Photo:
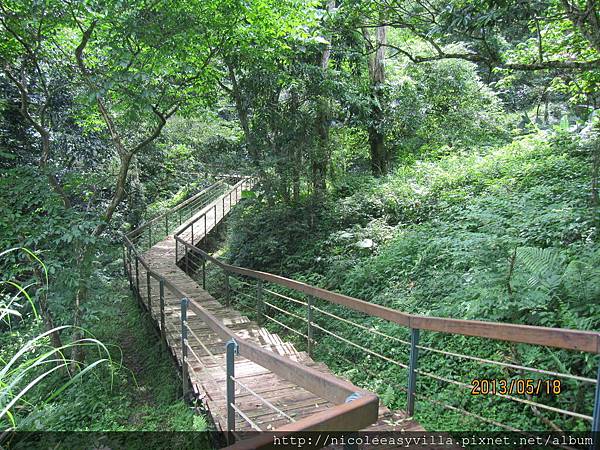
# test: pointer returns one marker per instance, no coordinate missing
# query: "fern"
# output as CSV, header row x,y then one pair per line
x,y
544,265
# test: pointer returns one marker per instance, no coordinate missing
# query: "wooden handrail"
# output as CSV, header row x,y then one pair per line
x,y
354,415
585,341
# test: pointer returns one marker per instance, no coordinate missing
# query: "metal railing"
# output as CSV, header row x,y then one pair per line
x,y
352,408
197,228
315,315
159,227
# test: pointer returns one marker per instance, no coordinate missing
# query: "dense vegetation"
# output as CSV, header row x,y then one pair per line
x,y
436,157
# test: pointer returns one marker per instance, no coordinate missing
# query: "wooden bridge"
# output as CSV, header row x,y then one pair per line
x,y
250,378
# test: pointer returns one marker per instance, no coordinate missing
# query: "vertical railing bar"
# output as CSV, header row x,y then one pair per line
x,y
309,333
161,295
259,302
166,224
203,272
227,290
184,367
187,266
124,262
130,275
150,236
231,349
137,278
412,374
149,291
596,415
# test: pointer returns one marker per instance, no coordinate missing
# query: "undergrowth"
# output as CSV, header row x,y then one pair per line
x,y
504,234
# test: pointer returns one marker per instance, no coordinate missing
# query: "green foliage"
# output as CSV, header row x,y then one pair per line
x,y
503,234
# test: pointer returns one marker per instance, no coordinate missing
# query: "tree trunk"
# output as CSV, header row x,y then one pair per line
x,y
84,262
320,156
595,199
378,152
242,112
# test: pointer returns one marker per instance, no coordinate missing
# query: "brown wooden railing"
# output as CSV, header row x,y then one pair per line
x,y
354,408
263,300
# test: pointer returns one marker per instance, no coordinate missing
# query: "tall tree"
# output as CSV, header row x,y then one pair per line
x,y
380,156
132,67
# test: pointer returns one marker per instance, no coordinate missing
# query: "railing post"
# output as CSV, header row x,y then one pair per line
x,y
149,291
596,415
161,295
150,236
204,237
129,274
137,279
309,331
166,224
176,250
192,233
259,302
353,434
124,262
227,290
412,374
231,349
184,367
203,273
187,265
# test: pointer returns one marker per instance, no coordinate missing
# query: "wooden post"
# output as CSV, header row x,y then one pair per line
x,y
150,236
412,374
166,224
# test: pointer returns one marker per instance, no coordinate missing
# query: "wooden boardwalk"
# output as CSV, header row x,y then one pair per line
x,y
206,355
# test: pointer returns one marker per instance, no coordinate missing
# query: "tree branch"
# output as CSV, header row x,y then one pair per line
x,y
477,58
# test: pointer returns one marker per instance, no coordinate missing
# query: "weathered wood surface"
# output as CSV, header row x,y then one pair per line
x,y
207,371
